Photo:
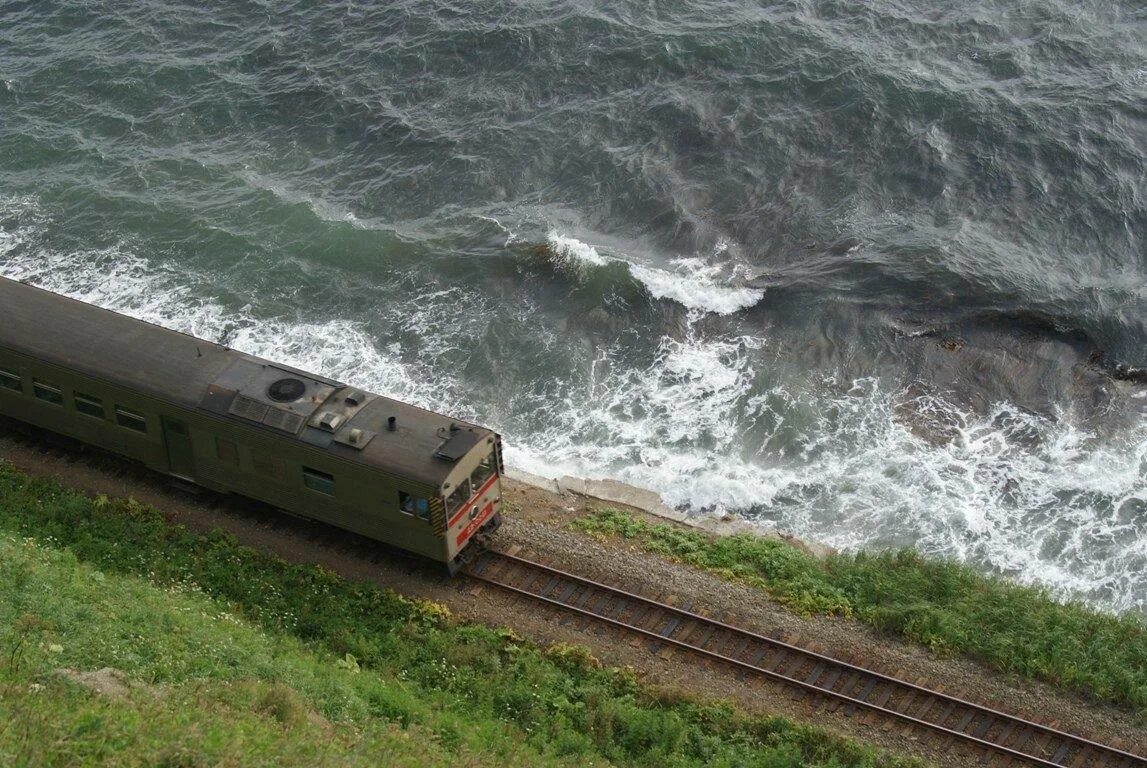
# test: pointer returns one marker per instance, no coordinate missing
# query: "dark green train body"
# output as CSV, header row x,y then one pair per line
x,y
232,422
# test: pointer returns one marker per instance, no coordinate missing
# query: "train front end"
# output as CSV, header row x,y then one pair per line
x,y
471,499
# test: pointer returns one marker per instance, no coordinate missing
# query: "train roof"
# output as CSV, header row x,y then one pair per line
x,y
200,375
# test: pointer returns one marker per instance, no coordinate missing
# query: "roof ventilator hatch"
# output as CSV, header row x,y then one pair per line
x,y
457,442
330,421
355,438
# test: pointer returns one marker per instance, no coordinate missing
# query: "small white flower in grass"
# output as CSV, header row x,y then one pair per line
x,y
35,688
55,648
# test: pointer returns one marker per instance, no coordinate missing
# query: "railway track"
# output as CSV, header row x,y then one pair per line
x,y
831,682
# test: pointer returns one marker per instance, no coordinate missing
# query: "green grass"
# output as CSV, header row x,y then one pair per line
x,y
946,606
203,686
237,657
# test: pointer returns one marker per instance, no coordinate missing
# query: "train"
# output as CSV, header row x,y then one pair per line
x,y
230,422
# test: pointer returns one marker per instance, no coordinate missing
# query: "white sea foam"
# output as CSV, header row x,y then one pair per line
x,y
693,283
570,251
1041,499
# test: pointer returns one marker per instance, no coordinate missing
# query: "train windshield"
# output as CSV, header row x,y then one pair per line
x,y
460,496
483,471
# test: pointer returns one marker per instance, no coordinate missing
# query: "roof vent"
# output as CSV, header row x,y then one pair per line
x,y
355,438
458,443
330,421
286,390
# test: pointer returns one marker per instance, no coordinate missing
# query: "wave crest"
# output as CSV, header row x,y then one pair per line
x,y
691,282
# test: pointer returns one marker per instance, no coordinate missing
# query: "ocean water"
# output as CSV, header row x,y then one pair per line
x,y
874,274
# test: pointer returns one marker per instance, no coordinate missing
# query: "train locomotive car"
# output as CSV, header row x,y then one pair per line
x,y
235,423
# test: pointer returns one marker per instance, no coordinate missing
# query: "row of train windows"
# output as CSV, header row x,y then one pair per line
x,y
85,404
408,504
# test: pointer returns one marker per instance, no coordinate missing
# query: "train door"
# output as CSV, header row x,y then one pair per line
x,y
180,456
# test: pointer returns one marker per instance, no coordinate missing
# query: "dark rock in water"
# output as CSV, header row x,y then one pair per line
x,y
598,320
1118,371
1127,373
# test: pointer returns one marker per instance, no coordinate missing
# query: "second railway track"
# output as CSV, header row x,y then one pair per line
x,y
1014,740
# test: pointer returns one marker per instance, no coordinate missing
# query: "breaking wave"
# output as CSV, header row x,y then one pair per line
x,y
693,283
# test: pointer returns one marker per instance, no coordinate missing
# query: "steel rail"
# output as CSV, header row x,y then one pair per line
x,y
1078,741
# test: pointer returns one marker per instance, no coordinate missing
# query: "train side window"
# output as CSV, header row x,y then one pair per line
x,y
413,505
47,392
10,380
405,503
130,419
227,451
92,406
460,496
319,481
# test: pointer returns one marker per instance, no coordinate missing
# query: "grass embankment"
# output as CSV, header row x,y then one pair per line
x,y
944,605
233,656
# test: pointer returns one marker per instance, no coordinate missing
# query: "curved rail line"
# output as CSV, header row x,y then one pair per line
x,y
1023,741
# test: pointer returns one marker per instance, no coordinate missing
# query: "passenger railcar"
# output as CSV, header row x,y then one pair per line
x,y
232,422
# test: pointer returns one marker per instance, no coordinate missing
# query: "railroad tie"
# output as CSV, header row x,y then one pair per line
x,y
1022,740
706,635
741,646
599,604
966,720
545,591
1005,733
784,662
833,676
817,671
566,593
851,680
984,726
863,695
946,712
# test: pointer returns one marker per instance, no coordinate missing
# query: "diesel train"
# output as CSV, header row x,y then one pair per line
x,y
235,423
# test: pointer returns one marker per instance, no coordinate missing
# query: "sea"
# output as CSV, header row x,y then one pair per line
x,y
870,273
